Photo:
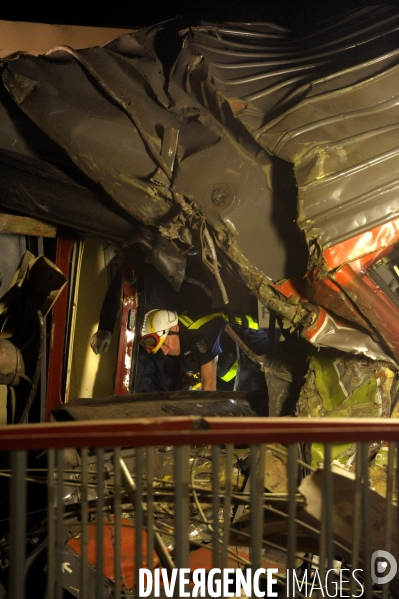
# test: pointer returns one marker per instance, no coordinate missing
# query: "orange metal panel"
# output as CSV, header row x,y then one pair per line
x,y
363,244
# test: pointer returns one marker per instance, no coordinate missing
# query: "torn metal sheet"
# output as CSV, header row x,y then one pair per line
x,y
35,287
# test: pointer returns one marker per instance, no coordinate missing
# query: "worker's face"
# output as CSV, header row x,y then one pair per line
x,y
171,345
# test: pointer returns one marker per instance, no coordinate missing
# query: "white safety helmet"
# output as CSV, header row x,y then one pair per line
x,y
156,326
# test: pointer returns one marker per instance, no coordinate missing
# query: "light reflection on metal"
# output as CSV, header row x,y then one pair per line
x,y
363,244
127,327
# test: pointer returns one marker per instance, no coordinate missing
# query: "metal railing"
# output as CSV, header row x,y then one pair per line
x,y
104,500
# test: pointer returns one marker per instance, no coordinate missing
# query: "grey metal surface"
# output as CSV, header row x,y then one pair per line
x,y
344,148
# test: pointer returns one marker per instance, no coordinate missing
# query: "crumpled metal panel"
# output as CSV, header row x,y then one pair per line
x,y
97,134
345,153
311,100
101,136
273,69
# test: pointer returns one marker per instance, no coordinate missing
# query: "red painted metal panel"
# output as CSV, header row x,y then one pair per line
x,y
58,327
195,430
128,549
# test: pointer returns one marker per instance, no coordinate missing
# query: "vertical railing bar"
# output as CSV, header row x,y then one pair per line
x,y
59,539
215,504
328,498
257,475
18,524
227,505
292,488
389,509
357,518
366,519
117,523
51,497
99,584
150,508
138,513
182,499
323,545
84,514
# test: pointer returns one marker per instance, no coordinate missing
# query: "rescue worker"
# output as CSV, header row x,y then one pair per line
x,y
163,370
206,352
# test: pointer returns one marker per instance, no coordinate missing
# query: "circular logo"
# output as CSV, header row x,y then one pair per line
x,y
380,560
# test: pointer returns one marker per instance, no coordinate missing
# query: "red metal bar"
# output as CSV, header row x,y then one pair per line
x,y
57,341
190,430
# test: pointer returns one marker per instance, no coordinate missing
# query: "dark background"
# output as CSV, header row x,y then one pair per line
x,y
133,13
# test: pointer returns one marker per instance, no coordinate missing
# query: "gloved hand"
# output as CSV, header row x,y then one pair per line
x,y
100,341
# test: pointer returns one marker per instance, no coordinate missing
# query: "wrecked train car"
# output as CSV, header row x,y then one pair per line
x,y
217,147
252,128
